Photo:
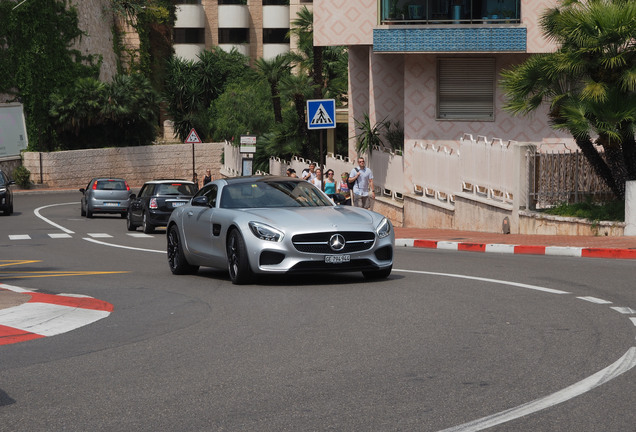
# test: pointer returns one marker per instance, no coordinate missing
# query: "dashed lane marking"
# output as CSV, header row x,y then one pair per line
x,y
19,237
60,235
100,235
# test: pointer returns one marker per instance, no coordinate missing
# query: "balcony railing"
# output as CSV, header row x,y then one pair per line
x,y
450,12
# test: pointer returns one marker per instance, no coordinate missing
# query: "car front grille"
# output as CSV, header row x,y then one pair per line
x,y
355,241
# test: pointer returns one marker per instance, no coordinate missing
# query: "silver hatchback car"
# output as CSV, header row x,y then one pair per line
x,y
105,195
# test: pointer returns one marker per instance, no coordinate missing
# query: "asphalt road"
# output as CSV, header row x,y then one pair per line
x,y
451,341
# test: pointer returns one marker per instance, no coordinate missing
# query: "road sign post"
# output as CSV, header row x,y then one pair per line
x,y
321,114
193,138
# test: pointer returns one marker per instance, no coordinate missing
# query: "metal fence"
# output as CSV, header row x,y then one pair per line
x,y
564,177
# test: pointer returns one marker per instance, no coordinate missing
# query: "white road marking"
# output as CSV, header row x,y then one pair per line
x,y
49,319
595,300
19,237
140,235
59,235
123,247
100,235
37,213
495,281
622,365
624,310
619,367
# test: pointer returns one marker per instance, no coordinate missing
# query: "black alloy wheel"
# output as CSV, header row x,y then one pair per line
x,y
237,260
176,258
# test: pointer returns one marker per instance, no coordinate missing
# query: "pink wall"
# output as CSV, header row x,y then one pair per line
x,y
344,22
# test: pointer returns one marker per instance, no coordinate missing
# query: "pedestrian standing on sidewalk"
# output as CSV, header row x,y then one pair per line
x,y
363,187
208,177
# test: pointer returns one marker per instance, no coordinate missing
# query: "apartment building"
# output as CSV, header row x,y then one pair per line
x,y
256,28
434,65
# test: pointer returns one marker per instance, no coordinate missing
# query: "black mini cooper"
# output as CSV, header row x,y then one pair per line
x,y
155,202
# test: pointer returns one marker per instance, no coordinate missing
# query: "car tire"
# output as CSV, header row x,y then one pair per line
x,y
147,227
124,215
377,274
11,208
176,258
129,223
89,214
82,211
237,261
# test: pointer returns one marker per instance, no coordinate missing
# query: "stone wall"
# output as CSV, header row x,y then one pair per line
x,y
74,169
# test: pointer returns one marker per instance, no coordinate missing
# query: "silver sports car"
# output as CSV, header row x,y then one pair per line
x,y
276,225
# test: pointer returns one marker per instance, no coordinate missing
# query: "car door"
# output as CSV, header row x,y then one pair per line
x,y
198,226
137,204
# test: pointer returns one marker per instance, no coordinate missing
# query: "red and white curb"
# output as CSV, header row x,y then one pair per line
x,y
48,315
585,252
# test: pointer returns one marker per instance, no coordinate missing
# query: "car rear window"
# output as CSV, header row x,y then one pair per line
x,y
111,185
175,189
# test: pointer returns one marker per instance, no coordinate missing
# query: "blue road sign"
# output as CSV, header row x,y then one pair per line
x,y
321,114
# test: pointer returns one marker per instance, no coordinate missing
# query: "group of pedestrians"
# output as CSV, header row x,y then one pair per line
x,y
355,187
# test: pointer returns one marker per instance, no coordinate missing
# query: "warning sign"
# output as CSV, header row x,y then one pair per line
x,y
193,138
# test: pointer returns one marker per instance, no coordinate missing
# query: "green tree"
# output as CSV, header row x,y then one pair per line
x,y
35,59
274,70
92,114
244,107
311,57
190,87
589,83
297,88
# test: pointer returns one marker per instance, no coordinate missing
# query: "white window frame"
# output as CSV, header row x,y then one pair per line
x,y
466,88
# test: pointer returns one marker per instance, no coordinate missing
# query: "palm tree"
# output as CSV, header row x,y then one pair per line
x,y
274,70
590,83
303,28
297,87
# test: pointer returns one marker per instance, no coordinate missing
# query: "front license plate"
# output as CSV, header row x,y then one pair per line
x,y
337,259
177,204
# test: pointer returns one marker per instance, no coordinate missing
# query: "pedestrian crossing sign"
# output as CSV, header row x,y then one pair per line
x,y
321,114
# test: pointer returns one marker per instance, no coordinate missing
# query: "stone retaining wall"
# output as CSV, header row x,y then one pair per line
x,y
74,169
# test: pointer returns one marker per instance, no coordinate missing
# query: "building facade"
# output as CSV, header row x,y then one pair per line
x,y
434,66
256,28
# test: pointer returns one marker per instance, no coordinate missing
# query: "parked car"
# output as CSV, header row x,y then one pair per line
x,y
276,225
156,201
105,195
6,195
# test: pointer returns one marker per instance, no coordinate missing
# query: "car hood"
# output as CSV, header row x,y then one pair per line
x,y
317,218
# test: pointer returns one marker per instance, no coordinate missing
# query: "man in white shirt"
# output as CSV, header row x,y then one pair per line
x,y
363,187
309,173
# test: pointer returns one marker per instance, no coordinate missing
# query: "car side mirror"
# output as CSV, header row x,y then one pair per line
x,y
133,196
11,182
200,201
82,190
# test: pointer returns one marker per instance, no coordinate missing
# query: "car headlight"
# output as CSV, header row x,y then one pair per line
x,y
3,189
266,232
384,228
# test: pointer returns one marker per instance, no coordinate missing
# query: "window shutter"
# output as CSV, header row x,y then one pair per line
x,y
466,89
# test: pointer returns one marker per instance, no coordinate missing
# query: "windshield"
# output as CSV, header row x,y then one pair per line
x,y
263,194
